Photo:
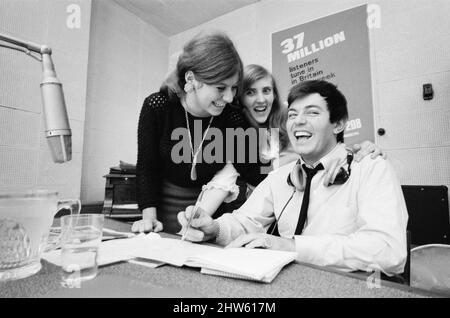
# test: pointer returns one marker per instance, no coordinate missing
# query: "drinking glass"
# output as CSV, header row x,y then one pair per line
x,y
80,240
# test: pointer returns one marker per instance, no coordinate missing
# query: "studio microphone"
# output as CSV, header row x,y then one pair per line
x,y
57,128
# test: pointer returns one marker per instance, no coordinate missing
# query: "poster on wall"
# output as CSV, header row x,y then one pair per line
x,y
336,49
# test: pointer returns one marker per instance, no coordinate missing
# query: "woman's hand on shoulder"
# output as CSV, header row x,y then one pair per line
x,y
367,148
360,150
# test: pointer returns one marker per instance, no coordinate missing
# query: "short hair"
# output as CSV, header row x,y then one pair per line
x,y
212,57
336,101
277,118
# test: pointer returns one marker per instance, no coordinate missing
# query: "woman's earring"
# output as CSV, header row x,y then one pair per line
x,y
198,85
188,87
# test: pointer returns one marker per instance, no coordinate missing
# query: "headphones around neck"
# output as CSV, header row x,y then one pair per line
x,y
297,178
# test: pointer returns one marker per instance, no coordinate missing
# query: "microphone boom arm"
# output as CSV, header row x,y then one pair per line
x,y
58,130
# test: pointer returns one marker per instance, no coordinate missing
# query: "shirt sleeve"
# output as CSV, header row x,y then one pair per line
x,y
225,179
254,216
148,166
380,241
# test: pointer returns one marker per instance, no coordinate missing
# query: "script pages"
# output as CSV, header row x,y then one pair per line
x,y
243,263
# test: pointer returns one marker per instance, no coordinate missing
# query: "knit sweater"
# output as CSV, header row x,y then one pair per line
x,y
159,161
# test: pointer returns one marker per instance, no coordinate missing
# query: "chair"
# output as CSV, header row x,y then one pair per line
x,y
428,212
430,268
428,222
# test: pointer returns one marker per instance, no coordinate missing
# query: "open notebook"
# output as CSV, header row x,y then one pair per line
x,y
243,263
253,264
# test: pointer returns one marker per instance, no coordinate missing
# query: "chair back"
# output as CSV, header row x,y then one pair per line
x,y
430,268
428,212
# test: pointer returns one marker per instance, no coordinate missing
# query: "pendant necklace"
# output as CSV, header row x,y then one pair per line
x,y
194,155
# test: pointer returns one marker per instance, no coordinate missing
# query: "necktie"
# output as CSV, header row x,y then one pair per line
x,y
273,229
310,173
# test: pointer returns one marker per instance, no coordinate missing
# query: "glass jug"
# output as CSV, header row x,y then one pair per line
x,y
25,221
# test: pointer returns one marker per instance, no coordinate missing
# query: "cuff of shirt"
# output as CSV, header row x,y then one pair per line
x,y
222,238
305,248
232,189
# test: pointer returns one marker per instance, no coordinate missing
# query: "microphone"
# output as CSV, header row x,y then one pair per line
x,y
58,133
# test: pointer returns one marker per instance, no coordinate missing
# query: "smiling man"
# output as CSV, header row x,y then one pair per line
x,y
357,223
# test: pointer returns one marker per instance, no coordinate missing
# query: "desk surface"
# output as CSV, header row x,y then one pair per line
x,y
130,280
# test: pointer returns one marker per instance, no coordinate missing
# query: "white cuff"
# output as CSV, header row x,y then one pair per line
x,y
232,189
222,238
304,246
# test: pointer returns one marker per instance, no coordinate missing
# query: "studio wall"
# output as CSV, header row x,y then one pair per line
x,y
25,159
127,61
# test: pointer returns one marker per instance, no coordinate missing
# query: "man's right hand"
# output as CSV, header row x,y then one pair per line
x,y
202,228
149,222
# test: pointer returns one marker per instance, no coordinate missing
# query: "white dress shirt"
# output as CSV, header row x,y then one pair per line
x,y
359,225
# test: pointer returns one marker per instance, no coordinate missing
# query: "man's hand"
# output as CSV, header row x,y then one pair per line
x,y
149,222
202,228
264,240
366,148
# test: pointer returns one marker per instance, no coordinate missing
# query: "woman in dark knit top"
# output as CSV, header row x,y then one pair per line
x,y
180,125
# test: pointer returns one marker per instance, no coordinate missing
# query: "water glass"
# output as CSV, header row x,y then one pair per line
x,y
80,240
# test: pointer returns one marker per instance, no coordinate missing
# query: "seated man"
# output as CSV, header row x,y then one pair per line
x,y
358,223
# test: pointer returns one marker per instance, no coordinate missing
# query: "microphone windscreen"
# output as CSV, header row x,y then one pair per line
x,y
60,147
56,121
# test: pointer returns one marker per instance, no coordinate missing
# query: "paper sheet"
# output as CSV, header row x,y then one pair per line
x,y
146,262
111,251
171,251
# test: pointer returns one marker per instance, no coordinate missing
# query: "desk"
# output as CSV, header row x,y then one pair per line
x,y
130,280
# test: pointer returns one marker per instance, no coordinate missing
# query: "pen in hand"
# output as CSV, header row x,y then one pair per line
x,y
193,213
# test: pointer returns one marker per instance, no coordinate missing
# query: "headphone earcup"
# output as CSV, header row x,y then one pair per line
x,y
295,178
